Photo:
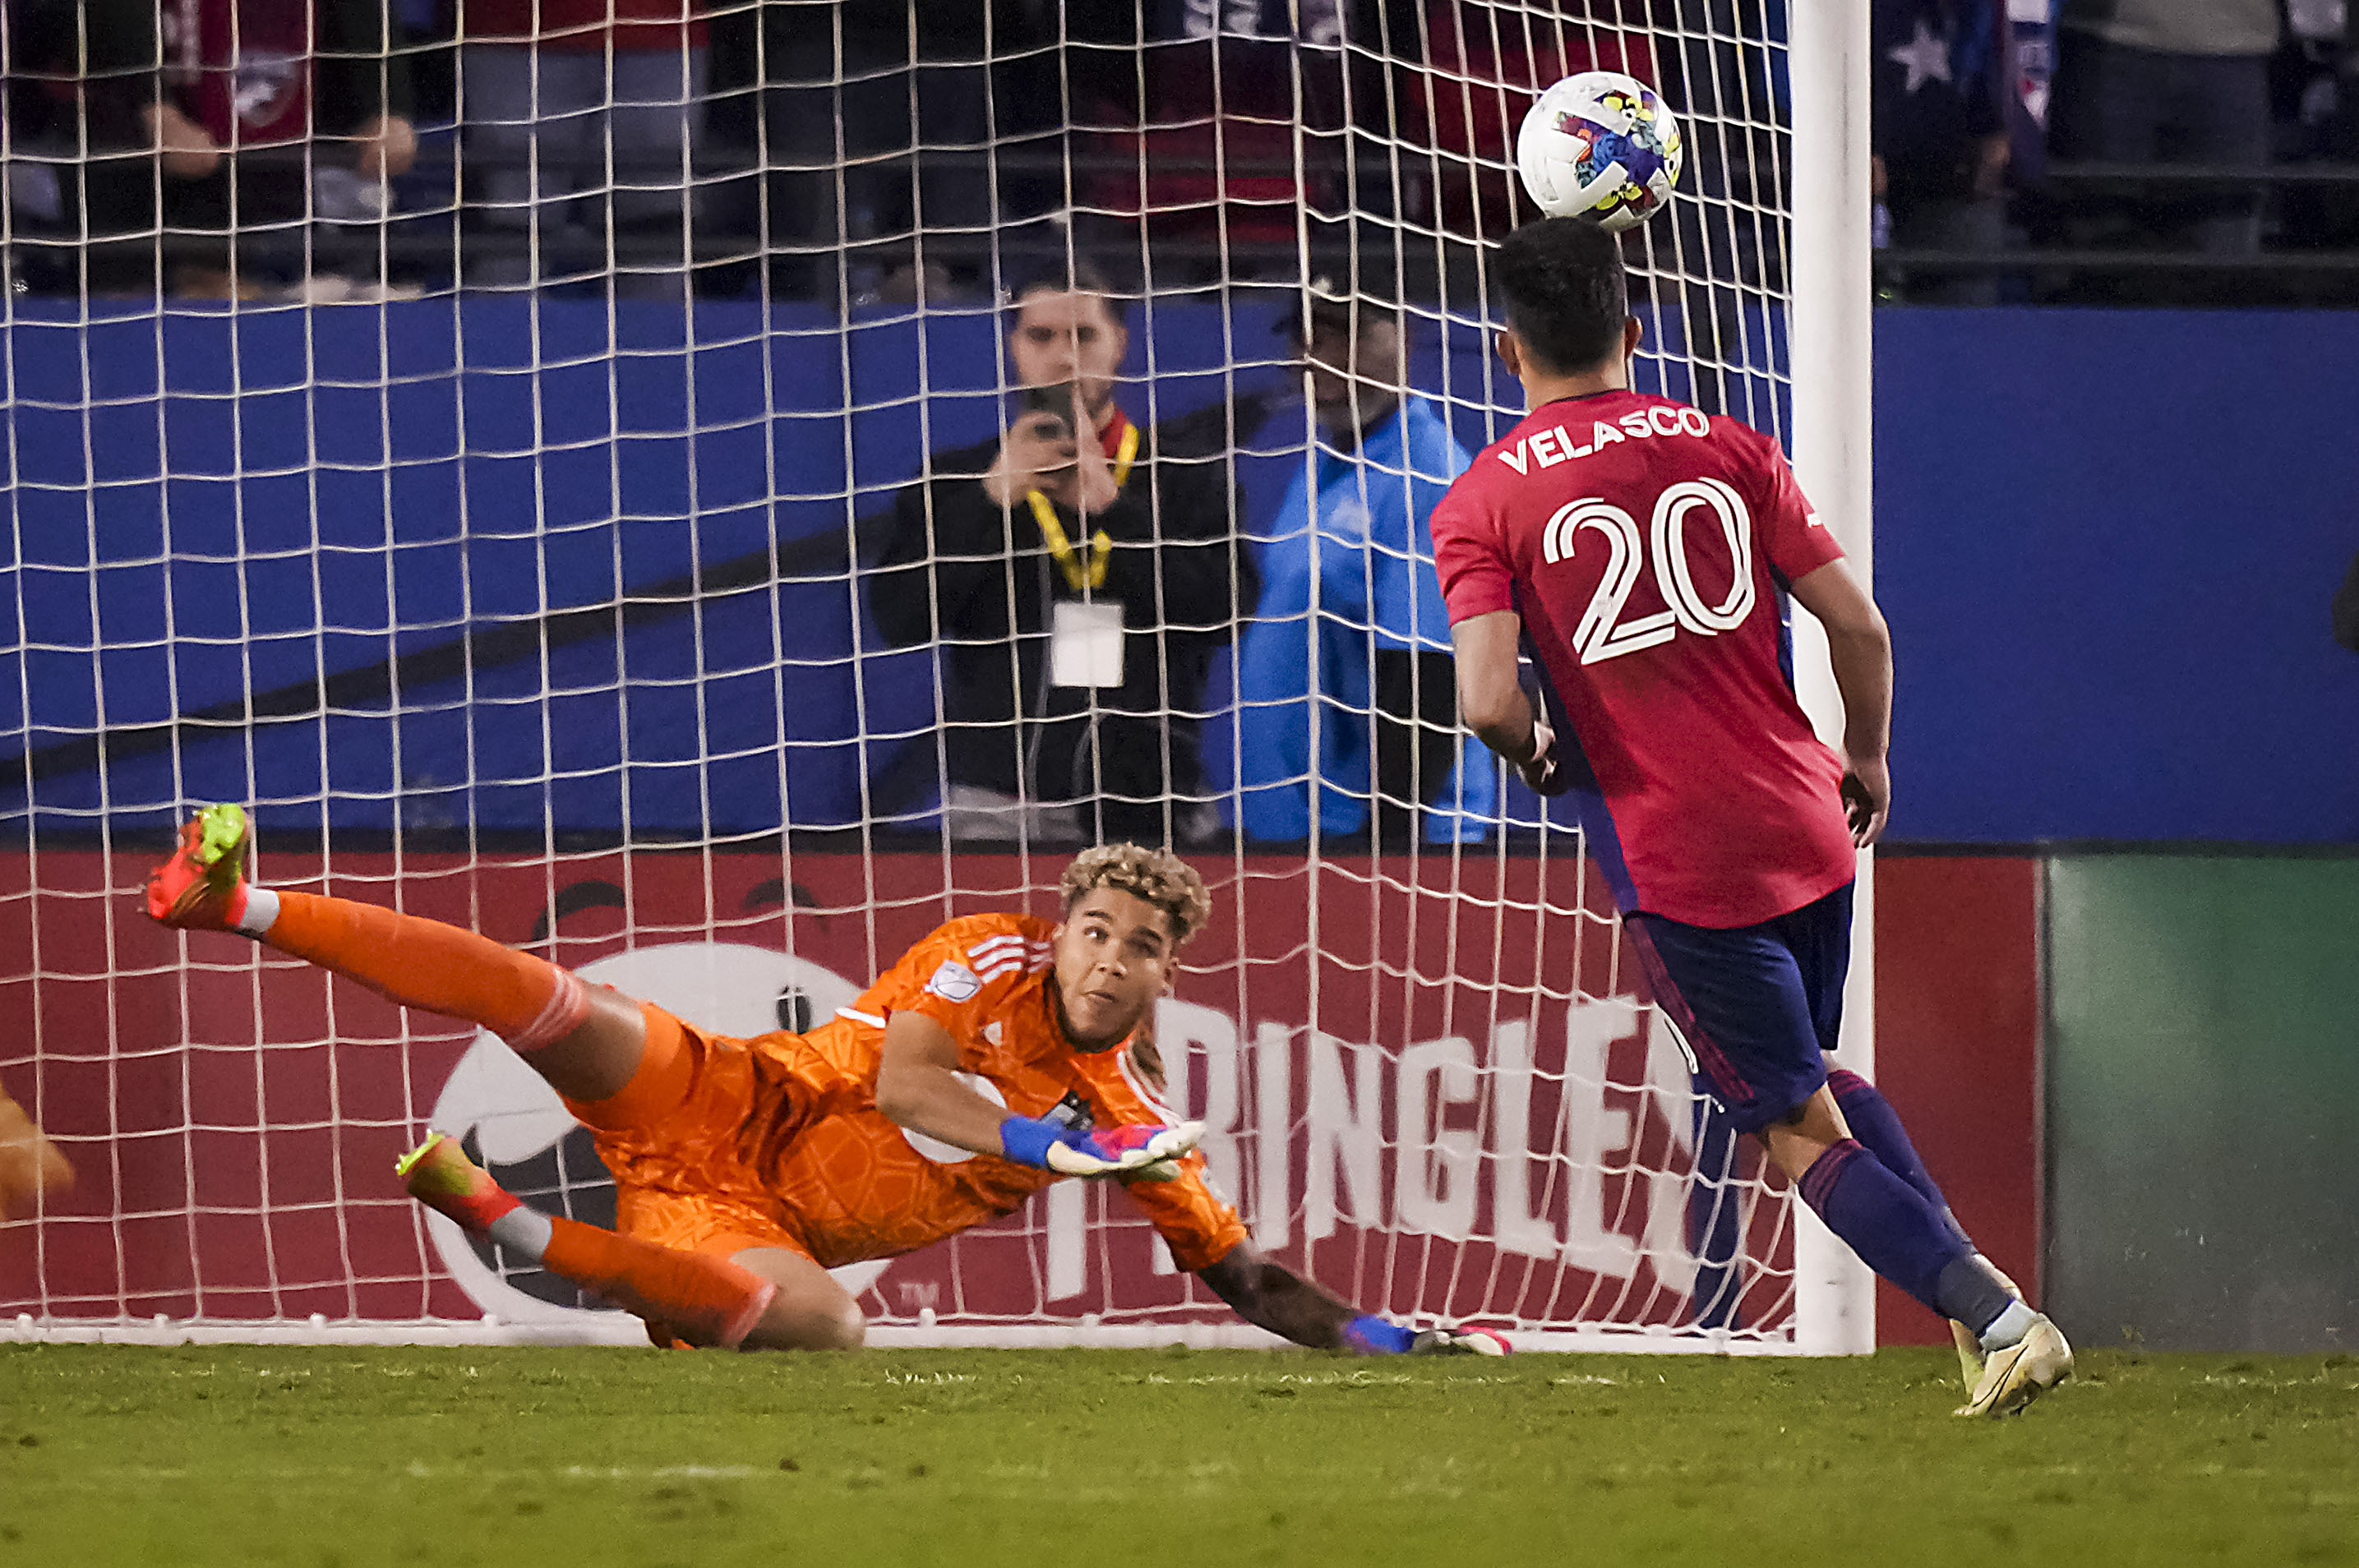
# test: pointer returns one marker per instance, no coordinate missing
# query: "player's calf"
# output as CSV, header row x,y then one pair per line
x,y
583,1042
1901,1235
810,1312
1878,1127
701,1300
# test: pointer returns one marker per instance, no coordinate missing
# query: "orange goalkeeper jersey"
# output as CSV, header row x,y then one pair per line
x,y
786,1127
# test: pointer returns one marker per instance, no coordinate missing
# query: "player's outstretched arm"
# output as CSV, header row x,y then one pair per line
x,y
1859,646
918,1087
1272,1296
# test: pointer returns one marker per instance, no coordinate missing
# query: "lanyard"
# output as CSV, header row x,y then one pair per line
x,y
1078,578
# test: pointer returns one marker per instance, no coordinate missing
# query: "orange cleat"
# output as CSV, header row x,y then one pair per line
x,y
31,1164
203,886
439,1175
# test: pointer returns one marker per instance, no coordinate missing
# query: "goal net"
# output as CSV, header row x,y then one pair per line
x,y
529,544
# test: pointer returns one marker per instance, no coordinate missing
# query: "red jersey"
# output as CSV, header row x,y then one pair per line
x,y
1647,547
586,25
243,68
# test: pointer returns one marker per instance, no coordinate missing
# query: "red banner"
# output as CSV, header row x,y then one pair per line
x,y
1432,1084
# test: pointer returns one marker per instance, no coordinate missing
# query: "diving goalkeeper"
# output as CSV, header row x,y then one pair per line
x,y
745,1169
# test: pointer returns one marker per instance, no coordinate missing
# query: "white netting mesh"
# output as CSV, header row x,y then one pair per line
x,y
569,586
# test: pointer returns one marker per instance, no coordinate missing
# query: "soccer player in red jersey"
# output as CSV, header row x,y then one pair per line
x,y
1643,551
745,1169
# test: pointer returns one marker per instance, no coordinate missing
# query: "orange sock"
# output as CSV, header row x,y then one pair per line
x,y
525,1000
702,1299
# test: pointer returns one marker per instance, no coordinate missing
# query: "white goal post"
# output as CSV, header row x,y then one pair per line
x,y
523,573
1834,454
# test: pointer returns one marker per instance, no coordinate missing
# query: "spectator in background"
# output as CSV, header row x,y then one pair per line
x,y
876,117
2161,81
1351,610
1940,87
253,120
583,120
93,139
1078,581
1187,114
2315,83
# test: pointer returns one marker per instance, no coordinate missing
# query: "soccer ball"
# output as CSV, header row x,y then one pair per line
x,y
1599,146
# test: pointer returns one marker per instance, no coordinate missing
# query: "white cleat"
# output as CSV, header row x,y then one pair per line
x,y
1969,1343
2013,1377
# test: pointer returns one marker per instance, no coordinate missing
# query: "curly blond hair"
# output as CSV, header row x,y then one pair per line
x,y
1156,876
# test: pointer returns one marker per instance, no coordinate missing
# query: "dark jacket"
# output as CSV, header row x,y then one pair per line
x,y
959,570
1940,85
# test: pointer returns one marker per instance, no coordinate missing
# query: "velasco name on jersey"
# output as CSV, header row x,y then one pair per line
x,y
1547,448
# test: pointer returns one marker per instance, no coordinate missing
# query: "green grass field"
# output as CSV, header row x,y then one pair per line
x,y
341,1456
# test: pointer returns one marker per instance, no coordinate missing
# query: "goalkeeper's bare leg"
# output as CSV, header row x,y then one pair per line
x,y
587,1041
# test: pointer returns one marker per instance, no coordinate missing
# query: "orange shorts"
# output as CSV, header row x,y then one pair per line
x,y
675,1138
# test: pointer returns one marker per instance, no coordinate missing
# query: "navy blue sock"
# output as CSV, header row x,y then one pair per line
x,y
1875,1124
1900,1236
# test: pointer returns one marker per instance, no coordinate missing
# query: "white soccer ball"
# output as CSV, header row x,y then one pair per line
x,y
1599,146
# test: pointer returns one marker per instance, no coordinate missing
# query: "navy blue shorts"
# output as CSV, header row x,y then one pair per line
x,y
1759,1006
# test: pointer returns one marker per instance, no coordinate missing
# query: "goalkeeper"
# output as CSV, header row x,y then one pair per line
x,y
746,1169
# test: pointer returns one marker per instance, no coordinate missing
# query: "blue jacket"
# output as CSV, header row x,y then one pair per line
x,y
1369,578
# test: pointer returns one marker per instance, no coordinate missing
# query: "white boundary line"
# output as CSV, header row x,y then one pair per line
x,y
893,1337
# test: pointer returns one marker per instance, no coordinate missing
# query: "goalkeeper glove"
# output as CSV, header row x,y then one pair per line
x,y
1371,1335
1131,1151
1453,1339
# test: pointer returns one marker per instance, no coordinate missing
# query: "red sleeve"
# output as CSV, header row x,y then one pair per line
x,y
1477,577
1793,539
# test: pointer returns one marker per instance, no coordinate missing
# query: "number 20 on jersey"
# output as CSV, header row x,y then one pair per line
x,y
1603,632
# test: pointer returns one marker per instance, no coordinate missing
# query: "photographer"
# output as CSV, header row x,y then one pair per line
x,y
1079,581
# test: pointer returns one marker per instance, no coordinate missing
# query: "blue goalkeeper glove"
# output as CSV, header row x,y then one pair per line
x,y
1133,1150
1371,1335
